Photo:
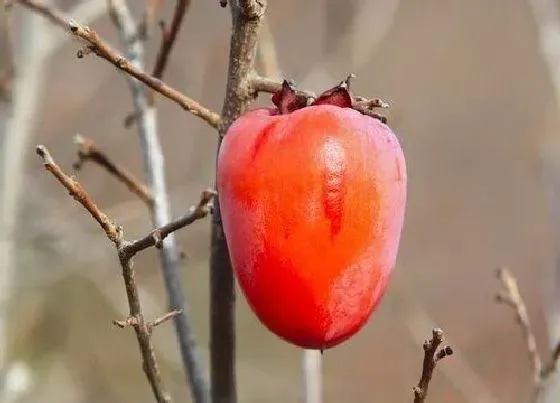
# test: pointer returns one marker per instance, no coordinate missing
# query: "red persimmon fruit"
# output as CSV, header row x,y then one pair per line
x,y
312,199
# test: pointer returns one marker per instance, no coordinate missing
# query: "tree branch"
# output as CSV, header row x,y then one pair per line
x,y
432,354
155,237
246,19
115,234
512,297
94,44
79,194
168,38
88,150
551,365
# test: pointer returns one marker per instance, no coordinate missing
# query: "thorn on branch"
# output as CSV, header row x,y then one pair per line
x,y
432,355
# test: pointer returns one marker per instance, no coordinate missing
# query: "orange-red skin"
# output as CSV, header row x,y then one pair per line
x,y
312,204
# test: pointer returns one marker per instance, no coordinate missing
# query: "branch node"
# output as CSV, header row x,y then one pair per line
x,y
129,321
158,240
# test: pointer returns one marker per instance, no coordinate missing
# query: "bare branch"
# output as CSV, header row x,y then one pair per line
x,y
114,233
550,366
156,236
101,49
264,84
169,37
246,18
89,151
432,354
94,44
132,321
164,318
512,297
79,194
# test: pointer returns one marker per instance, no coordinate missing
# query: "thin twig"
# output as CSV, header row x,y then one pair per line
x,y
432,354
94,44
164,318
512,297
168,39
101,49
156,236
264,84
89,151
549,367
246,19
80,195
115,234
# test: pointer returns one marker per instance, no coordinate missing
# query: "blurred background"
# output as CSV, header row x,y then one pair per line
x,y
472,88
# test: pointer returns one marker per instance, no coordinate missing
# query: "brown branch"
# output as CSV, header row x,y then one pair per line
x,y
550,366
89,151
164,318
168,39
126,250
80,195
114,233
132,320
246,19
432,354
156,236
512,297
94,44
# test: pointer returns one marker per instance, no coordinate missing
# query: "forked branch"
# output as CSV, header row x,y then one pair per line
x,y
432,355
88,150
511,296
94,44
126,250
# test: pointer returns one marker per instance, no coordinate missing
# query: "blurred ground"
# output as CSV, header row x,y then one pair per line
x,y
471,104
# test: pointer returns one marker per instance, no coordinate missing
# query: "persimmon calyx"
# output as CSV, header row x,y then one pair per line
x,y
287,99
